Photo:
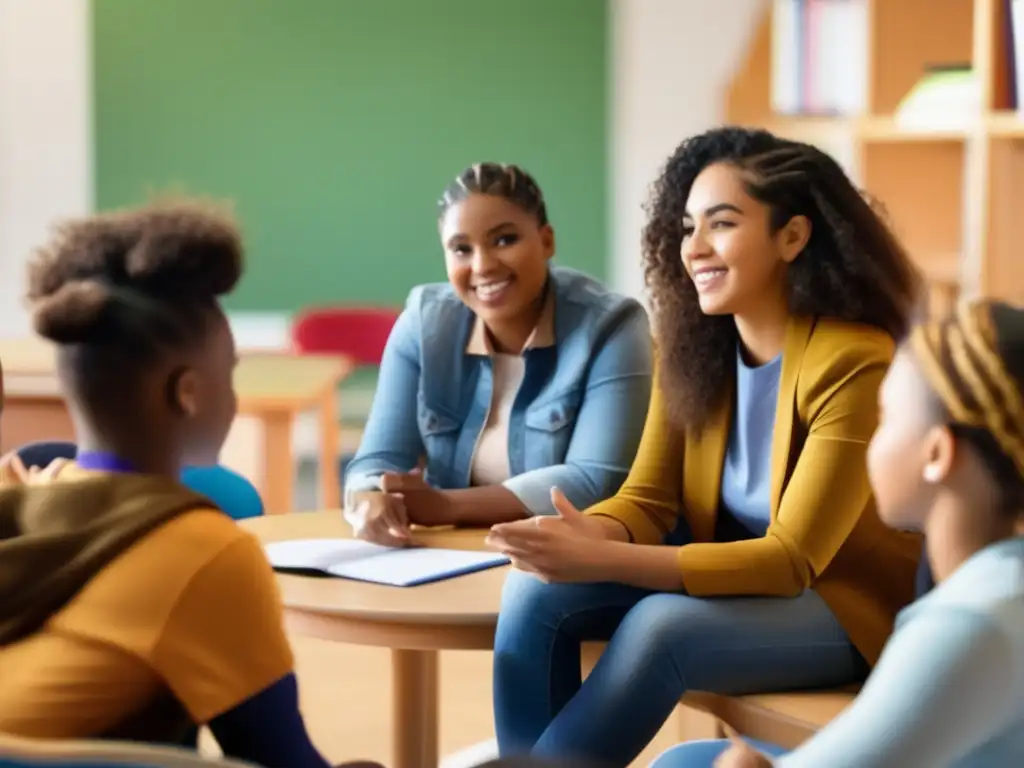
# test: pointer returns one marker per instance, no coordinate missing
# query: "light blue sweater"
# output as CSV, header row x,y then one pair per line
x,y
949,687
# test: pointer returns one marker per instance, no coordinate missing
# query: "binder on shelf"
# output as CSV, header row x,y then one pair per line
x,y
1014,10
819,55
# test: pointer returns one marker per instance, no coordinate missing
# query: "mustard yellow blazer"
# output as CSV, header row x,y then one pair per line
x,y
824,532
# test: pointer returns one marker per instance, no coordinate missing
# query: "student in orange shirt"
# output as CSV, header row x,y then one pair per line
x,y
129,607
777,294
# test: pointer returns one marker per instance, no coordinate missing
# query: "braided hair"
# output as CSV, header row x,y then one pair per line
x,y
506,181
973,363
853,268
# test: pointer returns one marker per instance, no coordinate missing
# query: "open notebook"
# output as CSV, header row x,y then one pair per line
x,y
362,561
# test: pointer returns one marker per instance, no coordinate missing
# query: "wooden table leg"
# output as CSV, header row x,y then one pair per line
x,y
330,480
278,481
414,684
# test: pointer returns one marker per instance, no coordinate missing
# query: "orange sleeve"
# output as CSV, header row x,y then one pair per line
x,y
224,640
650,501
826,494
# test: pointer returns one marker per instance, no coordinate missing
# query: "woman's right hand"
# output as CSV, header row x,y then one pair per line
x,y
379,518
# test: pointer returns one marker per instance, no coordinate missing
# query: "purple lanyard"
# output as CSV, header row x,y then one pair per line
x,y
102,462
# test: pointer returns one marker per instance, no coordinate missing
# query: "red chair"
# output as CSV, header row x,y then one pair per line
x,y
359,333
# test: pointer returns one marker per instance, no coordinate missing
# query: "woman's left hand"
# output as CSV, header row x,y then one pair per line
x,y
565,547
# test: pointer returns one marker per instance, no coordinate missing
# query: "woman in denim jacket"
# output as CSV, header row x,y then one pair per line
x,y
512,378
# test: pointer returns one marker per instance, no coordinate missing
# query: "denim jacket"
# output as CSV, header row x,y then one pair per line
x,y
576,420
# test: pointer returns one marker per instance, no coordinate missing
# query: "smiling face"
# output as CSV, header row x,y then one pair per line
x,y
729,249
497,256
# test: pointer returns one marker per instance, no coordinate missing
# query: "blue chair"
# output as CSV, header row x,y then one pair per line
x,y
224,487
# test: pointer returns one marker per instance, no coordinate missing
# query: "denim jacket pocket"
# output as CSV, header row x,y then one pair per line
x,y
549,428
440,433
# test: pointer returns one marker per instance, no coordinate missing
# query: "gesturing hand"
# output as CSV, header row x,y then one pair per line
x,y
562,547
424,504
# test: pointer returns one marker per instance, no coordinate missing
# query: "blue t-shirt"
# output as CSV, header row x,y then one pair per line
x,y
746,474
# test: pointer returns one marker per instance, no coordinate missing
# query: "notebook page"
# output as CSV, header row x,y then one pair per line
x,y
319,554
409,567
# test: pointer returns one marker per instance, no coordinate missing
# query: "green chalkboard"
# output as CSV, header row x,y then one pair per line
x,y
335,124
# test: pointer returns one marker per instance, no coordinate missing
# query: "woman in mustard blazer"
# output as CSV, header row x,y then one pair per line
x,y
778,293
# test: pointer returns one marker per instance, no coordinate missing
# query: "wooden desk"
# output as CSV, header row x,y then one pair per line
x,y
273,390
414,622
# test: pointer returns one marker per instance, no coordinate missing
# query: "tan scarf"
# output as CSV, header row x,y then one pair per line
x,y
54,538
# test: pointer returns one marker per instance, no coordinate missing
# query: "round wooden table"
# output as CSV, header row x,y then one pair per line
x,y
414,622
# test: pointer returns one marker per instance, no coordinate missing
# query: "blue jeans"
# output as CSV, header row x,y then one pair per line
x,y
662,645
703,753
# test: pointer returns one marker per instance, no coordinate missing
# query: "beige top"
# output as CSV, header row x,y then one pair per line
x,y
490,464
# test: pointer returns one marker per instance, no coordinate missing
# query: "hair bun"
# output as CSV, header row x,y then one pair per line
x,y
73,314
185,248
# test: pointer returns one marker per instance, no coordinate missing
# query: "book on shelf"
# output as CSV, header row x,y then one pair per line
x,y
819,57
947,97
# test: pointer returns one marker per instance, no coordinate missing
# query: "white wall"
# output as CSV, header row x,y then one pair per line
x,y
671,60
45,133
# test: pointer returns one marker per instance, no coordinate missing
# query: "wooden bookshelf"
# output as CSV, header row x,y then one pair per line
x,y
954,195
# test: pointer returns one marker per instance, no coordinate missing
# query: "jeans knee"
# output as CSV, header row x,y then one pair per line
x,y
658,626
526,602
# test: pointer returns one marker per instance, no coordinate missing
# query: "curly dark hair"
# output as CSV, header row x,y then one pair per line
x,y
853,267
136,280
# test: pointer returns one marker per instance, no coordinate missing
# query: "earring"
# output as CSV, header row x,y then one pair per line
x,y
932,473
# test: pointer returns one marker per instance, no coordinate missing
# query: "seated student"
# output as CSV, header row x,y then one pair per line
x,y
128,607
947,459
511,378
777,294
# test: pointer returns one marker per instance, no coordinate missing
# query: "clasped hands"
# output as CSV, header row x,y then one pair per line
x,y
562,547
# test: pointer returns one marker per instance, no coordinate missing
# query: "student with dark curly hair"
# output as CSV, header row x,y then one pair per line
x,y
511,377
778,293
947,459
130,607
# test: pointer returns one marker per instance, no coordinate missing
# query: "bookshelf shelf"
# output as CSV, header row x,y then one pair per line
x,y
954,194
887,130
1006,125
